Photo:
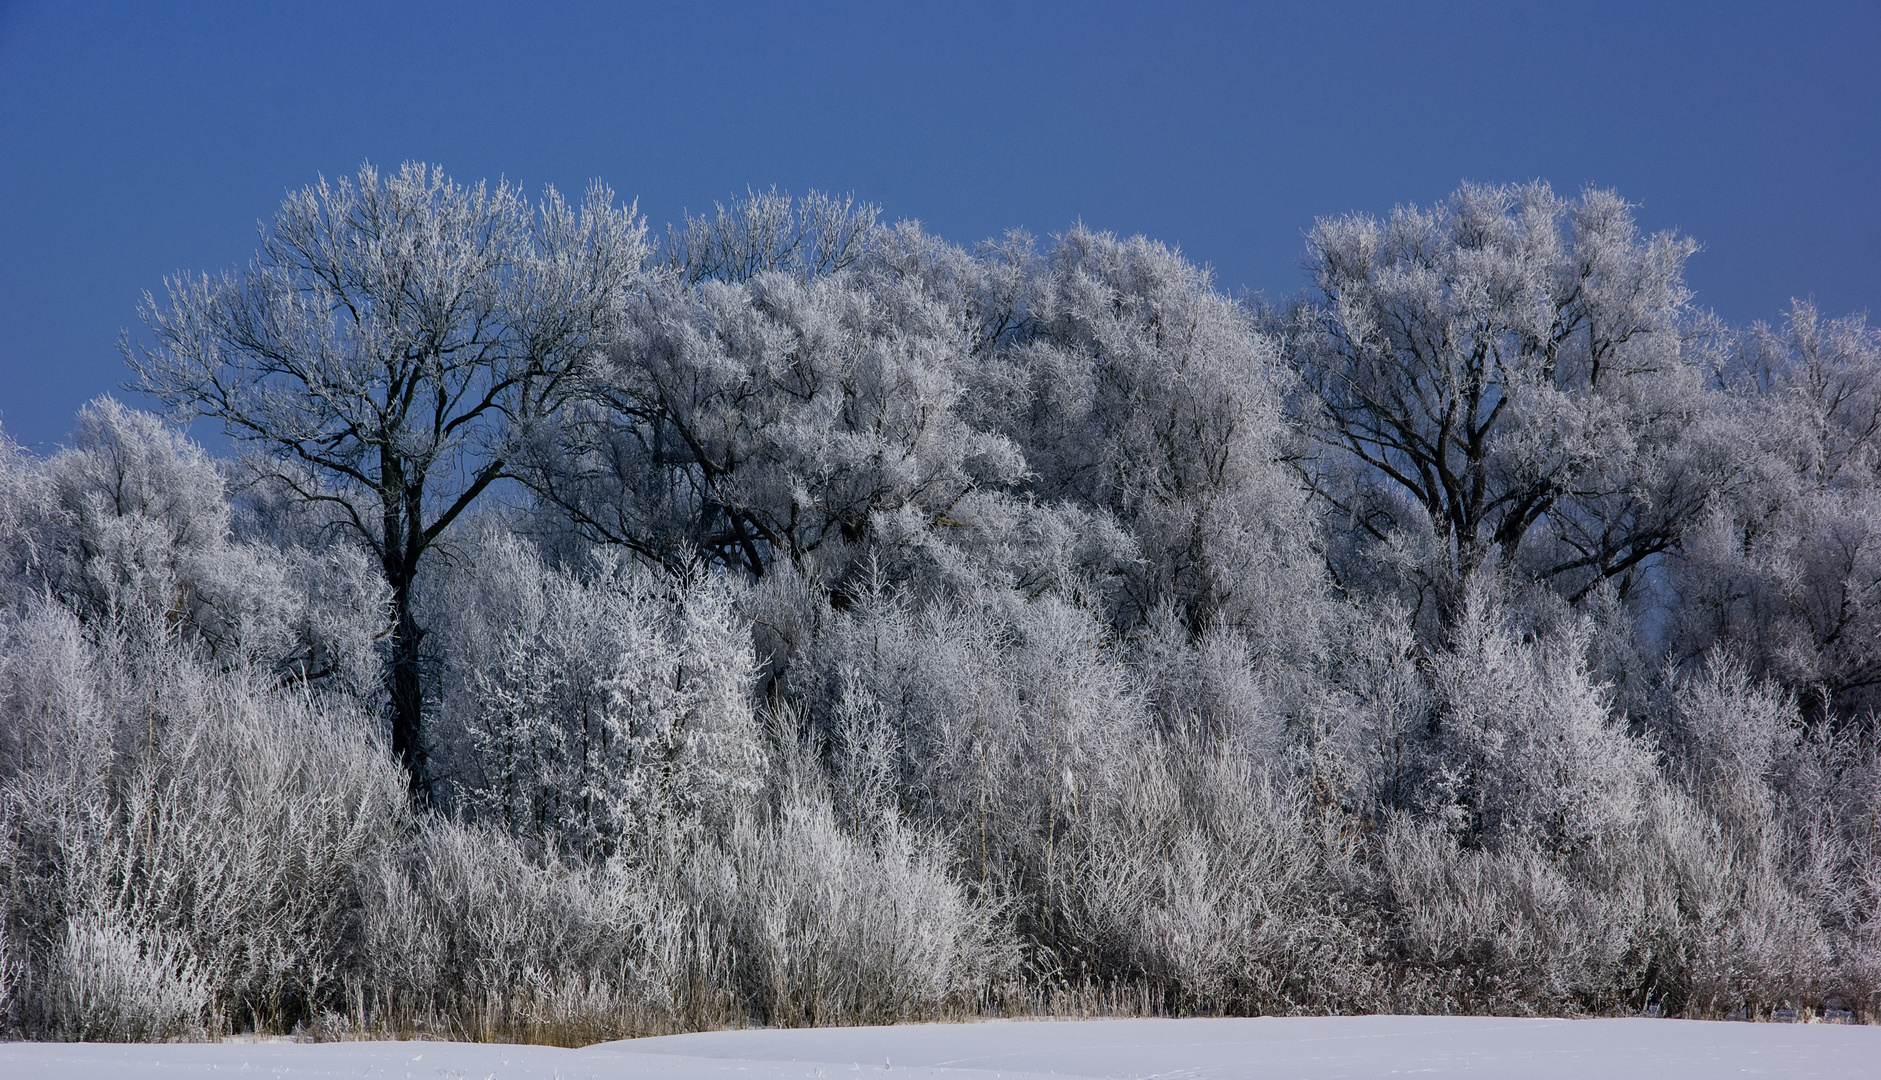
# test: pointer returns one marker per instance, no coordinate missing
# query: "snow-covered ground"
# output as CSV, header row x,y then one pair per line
x,y
1307,1047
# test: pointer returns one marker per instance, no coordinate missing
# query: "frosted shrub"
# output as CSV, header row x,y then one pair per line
x,y
1208,881
466,933
937,681
797,921
11,978
1382,702
1731,737
206,821
842,929
1503,930
1733,930
114,985
1018,720
1525,748
608,713
1756,880
1840,796
1213,691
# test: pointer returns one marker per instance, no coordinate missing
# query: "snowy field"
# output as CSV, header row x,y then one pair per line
x,y
1257,1049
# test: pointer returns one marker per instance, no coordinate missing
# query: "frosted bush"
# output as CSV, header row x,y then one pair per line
x,y
846,929
115,985
1526,749
607,713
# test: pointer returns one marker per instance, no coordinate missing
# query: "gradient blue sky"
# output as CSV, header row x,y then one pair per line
x,y
139,139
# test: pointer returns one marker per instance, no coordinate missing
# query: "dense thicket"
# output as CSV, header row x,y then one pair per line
x,y
850,627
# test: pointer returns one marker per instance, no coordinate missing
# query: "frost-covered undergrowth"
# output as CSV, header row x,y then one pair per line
x,y
1216,1049
821,624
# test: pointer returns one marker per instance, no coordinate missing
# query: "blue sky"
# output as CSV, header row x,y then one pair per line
x,y
137,140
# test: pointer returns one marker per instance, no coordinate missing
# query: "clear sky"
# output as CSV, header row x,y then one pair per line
x,y
139,139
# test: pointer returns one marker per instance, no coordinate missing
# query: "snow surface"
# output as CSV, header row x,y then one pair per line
x,y
1229,1049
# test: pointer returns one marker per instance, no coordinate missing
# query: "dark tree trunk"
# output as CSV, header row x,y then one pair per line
x,y
400,503
402,680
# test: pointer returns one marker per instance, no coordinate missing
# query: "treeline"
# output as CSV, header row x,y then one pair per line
x,y
803,620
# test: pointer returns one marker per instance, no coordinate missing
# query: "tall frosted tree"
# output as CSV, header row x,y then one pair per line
x,y
779,398
1505,380
1148,395
390,343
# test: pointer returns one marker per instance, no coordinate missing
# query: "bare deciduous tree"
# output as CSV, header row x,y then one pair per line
x,y
392,338
1507,361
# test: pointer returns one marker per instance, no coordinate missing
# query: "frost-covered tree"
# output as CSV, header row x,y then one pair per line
x,y
1786,573
1149,396
803,413
1504,381
131,529
394,338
